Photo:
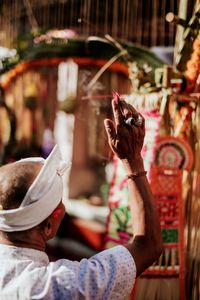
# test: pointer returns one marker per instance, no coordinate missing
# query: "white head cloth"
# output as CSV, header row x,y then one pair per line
x,y
42,197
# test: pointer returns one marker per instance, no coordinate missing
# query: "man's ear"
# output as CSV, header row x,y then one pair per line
x,y
48,229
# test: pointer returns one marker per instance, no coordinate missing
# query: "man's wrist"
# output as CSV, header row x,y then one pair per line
x,y
132,166
135,175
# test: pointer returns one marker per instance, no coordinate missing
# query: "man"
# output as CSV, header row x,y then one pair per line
x,y
31,212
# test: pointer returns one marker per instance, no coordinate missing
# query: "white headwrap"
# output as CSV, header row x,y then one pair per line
x,y
42,197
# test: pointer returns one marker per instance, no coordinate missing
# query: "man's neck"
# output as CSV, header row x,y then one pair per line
x,y
33,242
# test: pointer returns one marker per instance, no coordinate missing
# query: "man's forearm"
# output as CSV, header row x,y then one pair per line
x,y
147,242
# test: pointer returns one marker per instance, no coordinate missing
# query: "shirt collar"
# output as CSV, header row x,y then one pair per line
x,y
20,253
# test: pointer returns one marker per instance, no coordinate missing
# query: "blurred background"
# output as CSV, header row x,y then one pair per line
x,y
60,61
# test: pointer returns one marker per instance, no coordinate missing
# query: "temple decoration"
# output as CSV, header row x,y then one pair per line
x,y
56,80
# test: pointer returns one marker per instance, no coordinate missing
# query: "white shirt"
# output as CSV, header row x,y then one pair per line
x,y
27,274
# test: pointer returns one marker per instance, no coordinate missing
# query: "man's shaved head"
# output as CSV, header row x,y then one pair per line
x,y
15,179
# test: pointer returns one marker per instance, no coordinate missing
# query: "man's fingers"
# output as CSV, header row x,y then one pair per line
x,y
110,129
128,110
117,111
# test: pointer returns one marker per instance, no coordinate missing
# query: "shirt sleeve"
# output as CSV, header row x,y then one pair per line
x,y
109,274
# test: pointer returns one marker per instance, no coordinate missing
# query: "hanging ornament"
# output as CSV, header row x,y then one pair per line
x,y
172,152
